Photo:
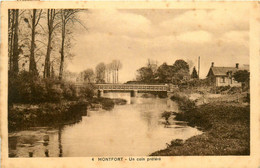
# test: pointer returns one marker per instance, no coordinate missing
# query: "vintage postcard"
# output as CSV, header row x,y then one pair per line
x,y
130,84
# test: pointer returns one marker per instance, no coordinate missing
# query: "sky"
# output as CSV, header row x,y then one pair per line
x,y
164,35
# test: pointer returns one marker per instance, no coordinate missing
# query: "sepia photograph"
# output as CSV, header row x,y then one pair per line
x,y
110,83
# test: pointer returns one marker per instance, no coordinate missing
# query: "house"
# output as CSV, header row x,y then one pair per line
x,y
223,76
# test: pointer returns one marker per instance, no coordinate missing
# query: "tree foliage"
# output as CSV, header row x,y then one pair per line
x,y
145,74
181,65
194,73
177,73
34,55
164,73
36,39
242,76
100,73
26,87
88,75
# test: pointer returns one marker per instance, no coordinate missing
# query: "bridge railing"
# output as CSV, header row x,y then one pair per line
x,y
132,87
139,87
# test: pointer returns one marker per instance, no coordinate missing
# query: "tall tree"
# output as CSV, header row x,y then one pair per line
x,y
88,75
113,70
153,65
117,65
164,74
100,73
10,37
67,16
181,64
194,73
145,75
51,16
35,18
108,72
15,52
181,71
242,76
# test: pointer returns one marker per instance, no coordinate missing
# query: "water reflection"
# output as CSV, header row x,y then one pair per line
x,y
134,129
59,140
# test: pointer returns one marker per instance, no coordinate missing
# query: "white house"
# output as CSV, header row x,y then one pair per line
x,y
223,76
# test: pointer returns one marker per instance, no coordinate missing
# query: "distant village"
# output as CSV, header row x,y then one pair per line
x,y
178,74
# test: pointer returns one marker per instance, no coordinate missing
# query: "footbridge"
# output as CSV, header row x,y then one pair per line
x,y
133,88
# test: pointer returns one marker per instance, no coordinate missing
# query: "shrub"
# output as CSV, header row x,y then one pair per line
x,y
29,88
177,142
220,89
25,88
87,91
247,98
54,91
185,103
234,90
69,91
166,115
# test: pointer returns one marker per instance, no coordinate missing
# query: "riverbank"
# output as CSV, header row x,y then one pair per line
x,y
225,124
24,116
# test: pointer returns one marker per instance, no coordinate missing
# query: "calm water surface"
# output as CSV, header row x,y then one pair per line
x,y
134,129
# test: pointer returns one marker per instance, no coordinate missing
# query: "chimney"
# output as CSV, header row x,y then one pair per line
x,y
237,64
212,64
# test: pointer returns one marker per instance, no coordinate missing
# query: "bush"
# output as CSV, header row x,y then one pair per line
x,y
198,82
185,103
247,98
69,91
221,89
29,88
25,88
87,91
107,103
234,90
166,115
54,91
46,114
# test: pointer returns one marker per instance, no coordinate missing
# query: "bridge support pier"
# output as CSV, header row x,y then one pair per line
x,y
134,93
100,93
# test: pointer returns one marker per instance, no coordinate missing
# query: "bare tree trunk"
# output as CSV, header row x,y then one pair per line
x,y
50,20
62,59
11,14
62,46
47,59
52,72
109,76
32,65
15,45
113,76
116,75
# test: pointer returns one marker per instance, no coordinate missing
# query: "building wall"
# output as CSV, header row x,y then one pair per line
x,y
225,81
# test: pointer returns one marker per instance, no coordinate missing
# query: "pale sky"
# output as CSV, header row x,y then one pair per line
x,y
164,35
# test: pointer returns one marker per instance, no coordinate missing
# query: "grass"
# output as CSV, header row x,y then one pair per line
x,y
24,116
226,130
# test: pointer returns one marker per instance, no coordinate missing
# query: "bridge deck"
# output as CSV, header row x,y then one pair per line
x,y
129,87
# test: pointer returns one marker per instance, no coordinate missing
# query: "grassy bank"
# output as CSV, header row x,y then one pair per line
x,y
24,116
225,126
108,103
34,101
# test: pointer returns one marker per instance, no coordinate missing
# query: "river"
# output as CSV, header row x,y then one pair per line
x,y
134,129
